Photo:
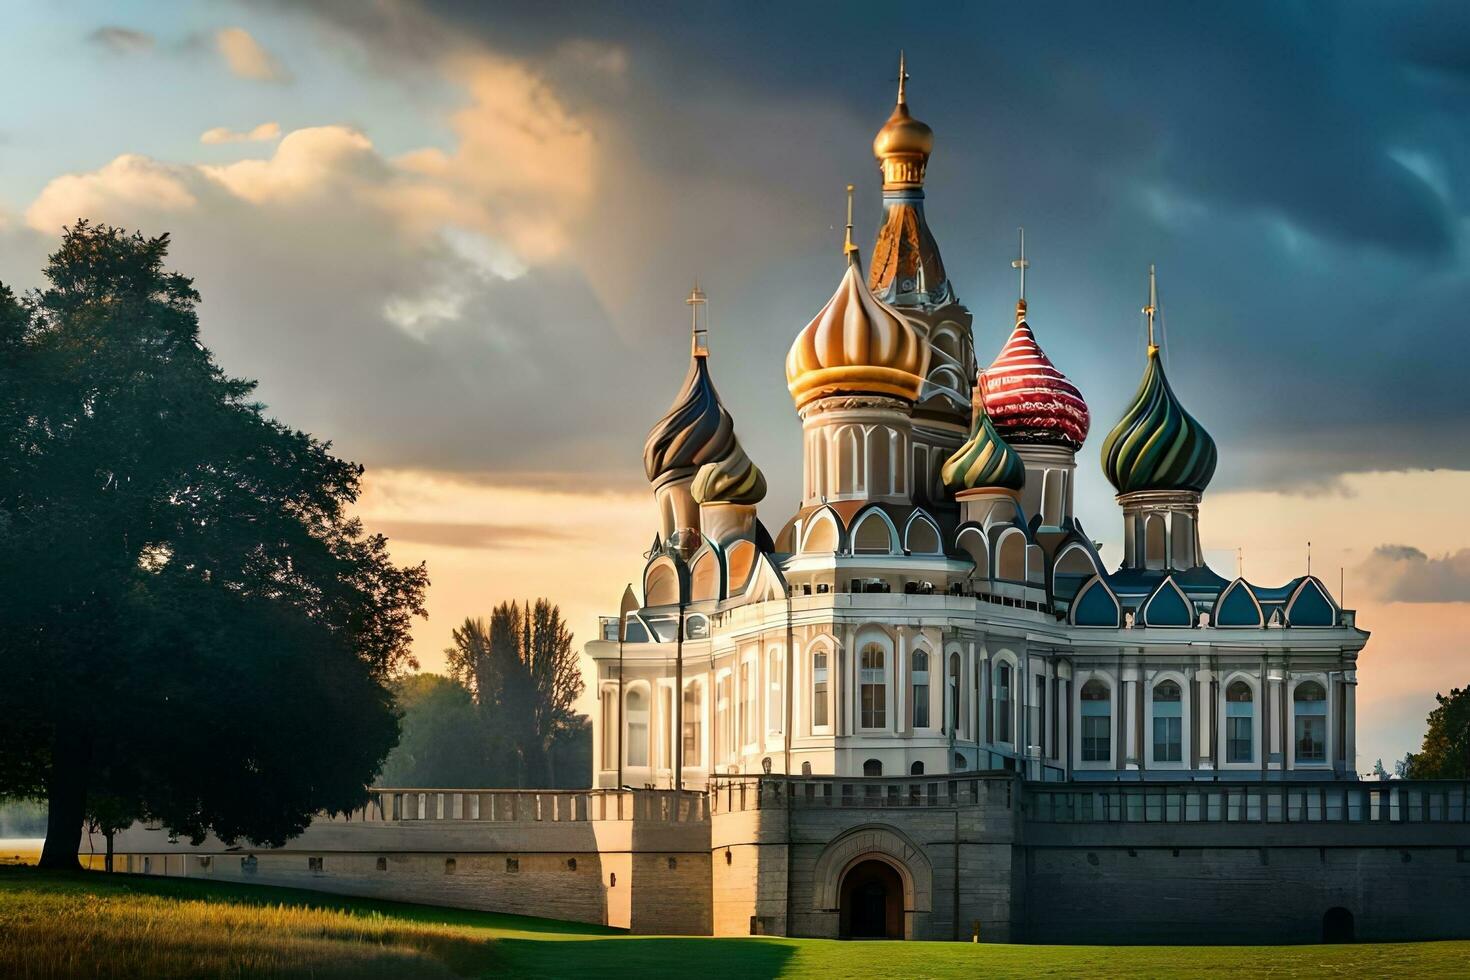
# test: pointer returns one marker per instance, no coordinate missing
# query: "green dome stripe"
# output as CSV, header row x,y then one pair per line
x,y
985,460
1157,445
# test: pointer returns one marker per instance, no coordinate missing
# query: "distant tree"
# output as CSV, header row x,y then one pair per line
x,y
524,673
194,626
440,744
1445,752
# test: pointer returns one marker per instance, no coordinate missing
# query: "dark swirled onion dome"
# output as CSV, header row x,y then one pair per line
x,y
1029,400
732,480
985,460
696,430
1157,445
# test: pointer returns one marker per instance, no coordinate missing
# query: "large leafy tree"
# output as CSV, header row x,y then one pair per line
x,y
524,674
195,626
1445,753
438,747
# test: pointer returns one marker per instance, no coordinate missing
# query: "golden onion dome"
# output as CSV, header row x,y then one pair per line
x,y
856,345
732,480
904,143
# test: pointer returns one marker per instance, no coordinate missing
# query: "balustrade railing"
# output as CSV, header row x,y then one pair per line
x,y
388,805
1395,801
732,794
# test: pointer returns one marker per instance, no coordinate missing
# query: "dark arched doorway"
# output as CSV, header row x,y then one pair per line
x,y
1337,925
871,902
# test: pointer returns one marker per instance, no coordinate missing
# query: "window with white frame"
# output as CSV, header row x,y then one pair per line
x,y
748,702
919,663
1168,722
666,727
637,709
873,681
1097,722
724,726
1240,723
774,708
1310,707
819,689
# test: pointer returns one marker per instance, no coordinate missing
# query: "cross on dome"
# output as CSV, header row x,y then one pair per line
x,y
696,302
1021,263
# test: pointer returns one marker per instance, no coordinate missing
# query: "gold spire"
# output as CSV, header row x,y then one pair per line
x,y
1022,264
903,77
847,246
696,302
1152,309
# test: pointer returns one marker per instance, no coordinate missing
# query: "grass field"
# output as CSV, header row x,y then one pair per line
x,y
94,925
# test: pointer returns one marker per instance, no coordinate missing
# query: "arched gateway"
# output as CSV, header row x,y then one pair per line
x,y
873,880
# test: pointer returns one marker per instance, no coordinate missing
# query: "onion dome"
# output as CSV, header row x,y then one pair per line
x,y
904,143
856,345
1157,445
1030,401
984,461
732,480
696,430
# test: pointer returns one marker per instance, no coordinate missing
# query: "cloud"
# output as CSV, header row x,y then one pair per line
x,y
122,40
129,183
263,133
247,58
1402,573
467,535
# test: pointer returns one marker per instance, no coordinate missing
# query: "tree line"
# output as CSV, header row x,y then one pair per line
x,y
505,716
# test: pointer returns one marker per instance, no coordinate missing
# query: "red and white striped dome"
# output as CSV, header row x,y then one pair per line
x,y
1027,398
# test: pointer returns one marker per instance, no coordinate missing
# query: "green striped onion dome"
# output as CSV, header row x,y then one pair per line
x,y
985,460
1157,445
732,480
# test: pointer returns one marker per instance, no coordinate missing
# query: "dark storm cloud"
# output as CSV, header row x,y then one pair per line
x,y
1296,170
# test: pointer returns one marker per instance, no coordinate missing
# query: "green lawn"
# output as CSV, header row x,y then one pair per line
x,y
95,925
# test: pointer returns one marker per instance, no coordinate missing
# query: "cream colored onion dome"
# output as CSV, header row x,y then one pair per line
x,y
732,480
856,345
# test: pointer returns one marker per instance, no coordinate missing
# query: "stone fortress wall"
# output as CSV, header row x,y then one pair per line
x,y
980,855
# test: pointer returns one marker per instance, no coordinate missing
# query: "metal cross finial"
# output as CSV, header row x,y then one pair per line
x,y
1152,308
695,302
1021,262
847,244
903,77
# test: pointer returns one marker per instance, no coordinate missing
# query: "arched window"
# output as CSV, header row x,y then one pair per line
x,y
821,536
1001,686
880,466
917,769
923,538
1168,722
919,663
1240,727
872,536
872,768
1309,703
954,693
1010,562
806,768
704,579
819,689
775,707
661,588
693,716
959,762
873,681
724,734
637,728
1097,722
972,543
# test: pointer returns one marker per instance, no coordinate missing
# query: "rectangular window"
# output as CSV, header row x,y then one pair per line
x,y
749,702
874,687
724,730
1311,738
1096,738
1238,738
819,690
774,708
1003,703
1168,739
691,724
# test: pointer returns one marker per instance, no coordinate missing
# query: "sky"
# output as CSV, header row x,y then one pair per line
x,y
455,238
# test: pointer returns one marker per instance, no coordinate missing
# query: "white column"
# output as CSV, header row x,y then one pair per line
x,y
1350,752
1272,719
1205,721
1128,715
899,699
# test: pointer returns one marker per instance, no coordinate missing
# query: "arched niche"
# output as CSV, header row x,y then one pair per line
x,y
874,535
704,577
972,542
739,563
1096,605
1155,541
661,583
1010,556
821,534
1237,608
922,537
1073,566
1311,606
1168,606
